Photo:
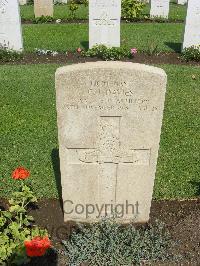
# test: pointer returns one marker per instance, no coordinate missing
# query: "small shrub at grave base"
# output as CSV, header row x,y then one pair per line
x,y
7,55
109,244
152,48
73,7
132,9
191,54
30,2
43,19
84,2
19,239
105,53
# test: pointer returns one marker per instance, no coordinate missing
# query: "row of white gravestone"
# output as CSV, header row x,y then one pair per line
x,y
159,8
24,2
179,2
104,22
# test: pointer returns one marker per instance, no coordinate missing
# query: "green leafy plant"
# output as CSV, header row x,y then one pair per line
x,y
132,9
191,54
85,2
152,48
43,19
73,7
16,225
7,55
109,244
105,53
30,2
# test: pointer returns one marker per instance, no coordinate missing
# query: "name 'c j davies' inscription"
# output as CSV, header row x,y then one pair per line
x,y
117,96
109,155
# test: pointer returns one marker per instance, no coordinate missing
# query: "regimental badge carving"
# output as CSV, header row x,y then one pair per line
x,y
104,19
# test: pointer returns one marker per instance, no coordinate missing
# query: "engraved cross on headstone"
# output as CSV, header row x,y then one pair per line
x,y
109,154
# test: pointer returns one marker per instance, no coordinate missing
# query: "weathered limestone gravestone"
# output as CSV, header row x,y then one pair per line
x,y
192,24
104,22
43,8
182,2
109,124
159,8
10,25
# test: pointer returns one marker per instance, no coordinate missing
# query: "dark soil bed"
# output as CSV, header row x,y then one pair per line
x,y
182,218
162,58
84,21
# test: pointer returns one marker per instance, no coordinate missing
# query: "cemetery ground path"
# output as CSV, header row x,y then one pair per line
x,y
61,58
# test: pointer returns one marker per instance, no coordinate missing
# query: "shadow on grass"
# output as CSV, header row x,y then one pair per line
x,y
56,167
174,46
85,45
196,185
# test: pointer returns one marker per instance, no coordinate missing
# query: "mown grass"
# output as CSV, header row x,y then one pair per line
x,y
28,131
166,37
177,12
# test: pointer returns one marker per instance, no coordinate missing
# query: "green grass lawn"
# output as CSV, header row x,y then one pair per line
x,y
177,12
28,131
166,37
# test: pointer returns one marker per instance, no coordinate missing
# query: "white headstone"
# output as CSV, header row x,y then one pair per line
x,y
109,124
159,9
22,2
10,25
43,8
192,24
61,1
182,2
104,22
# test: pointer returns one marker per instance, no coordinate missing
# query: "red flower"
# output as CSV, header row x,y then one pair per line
x,y
79,50
20,173
37,246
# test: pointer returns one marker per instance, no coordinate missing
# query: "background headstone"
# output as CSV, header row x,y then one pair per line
x,y
22,2
43,8
109,124
182,2
104,22
159,8
61,1
10,25
192,24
